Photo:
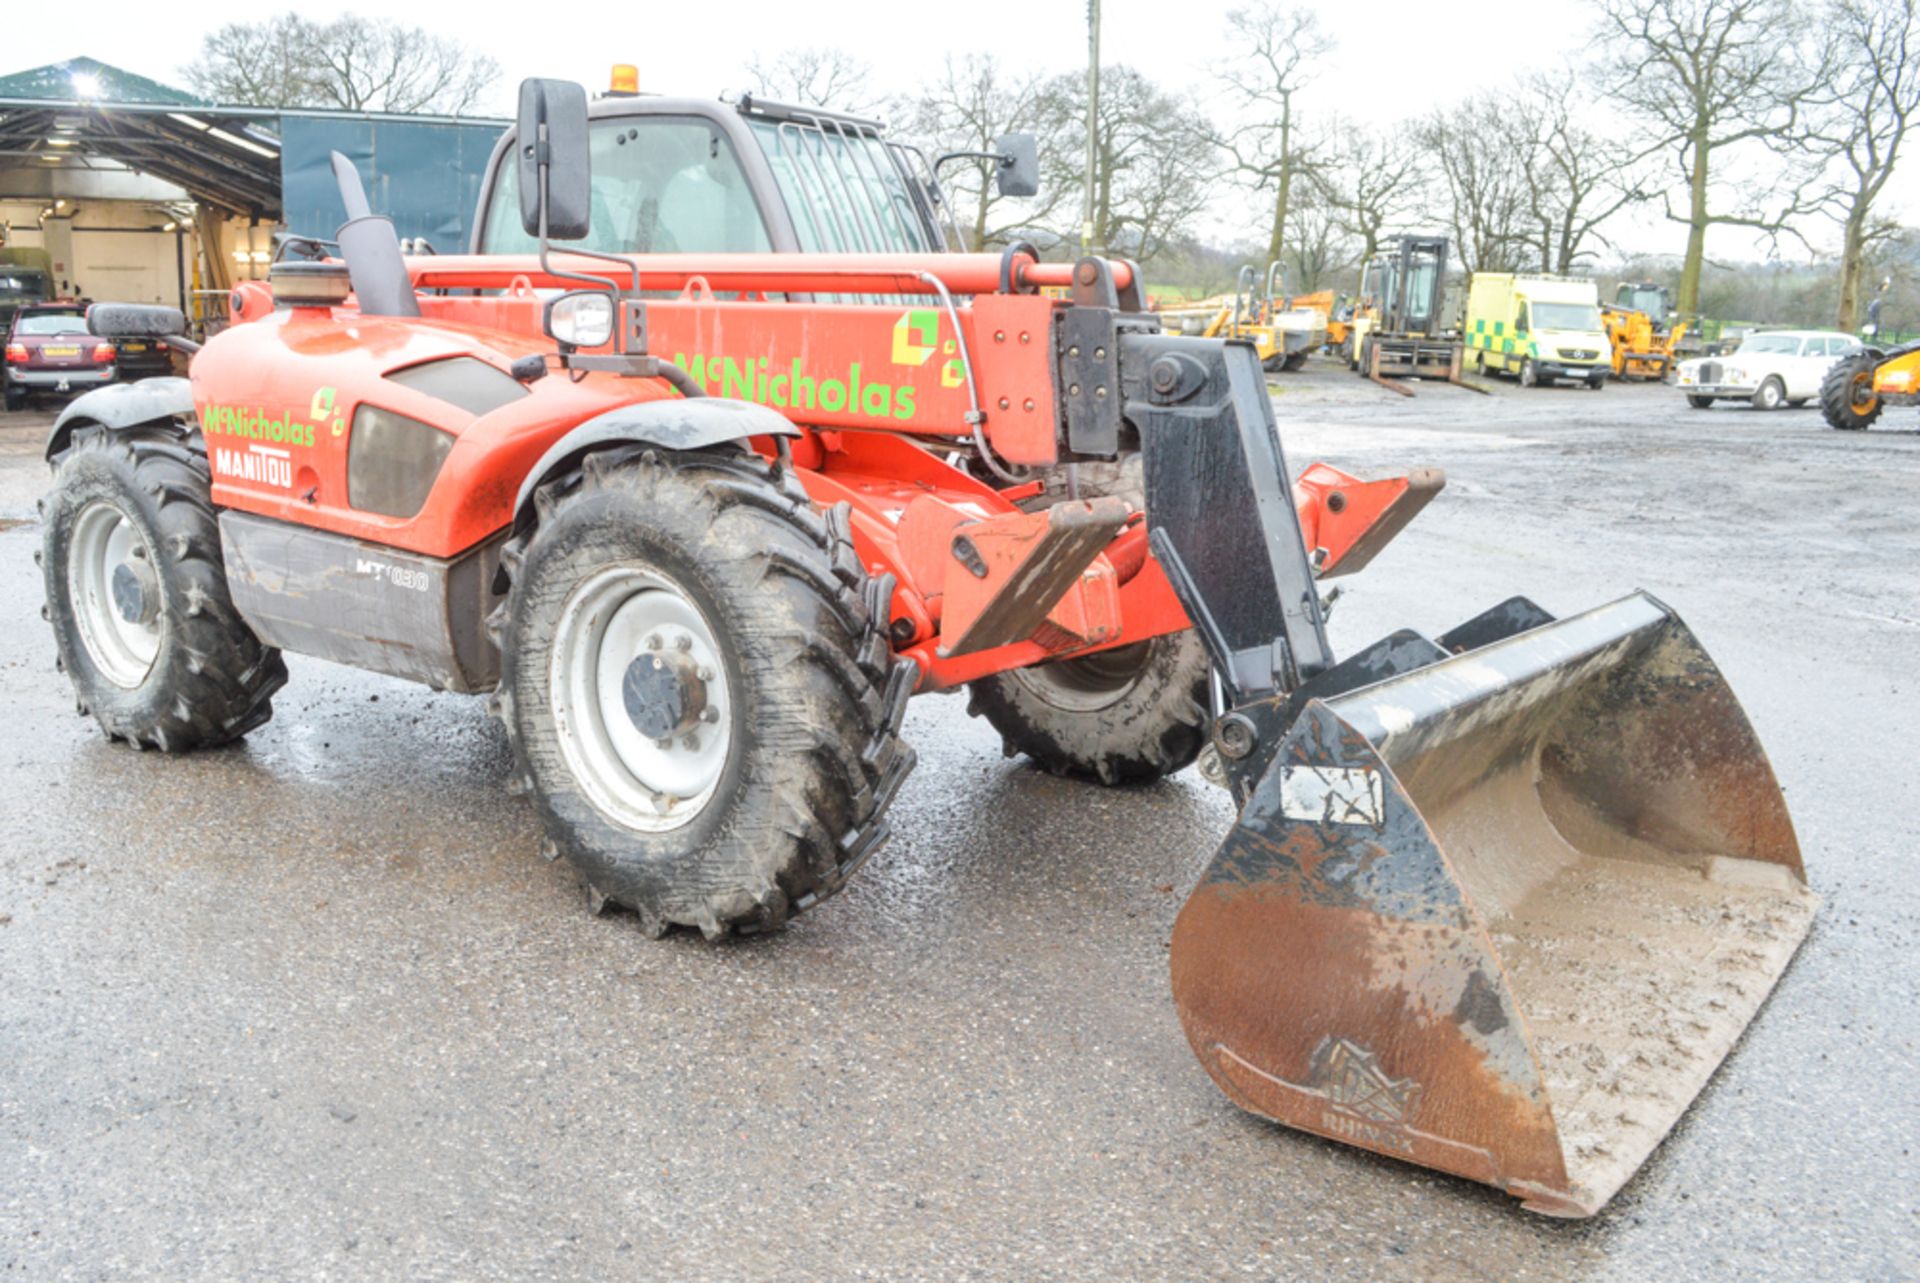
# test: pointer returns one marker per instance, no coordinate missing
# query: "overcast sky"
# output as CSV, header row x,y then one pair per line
x,y
1394,58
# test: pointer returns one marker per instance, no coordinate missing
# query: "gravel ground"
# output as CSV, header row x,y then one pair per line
x,y
312,1008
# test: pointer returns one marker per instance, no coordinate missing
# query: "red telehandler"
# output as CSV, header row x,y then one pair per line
x,y
701,523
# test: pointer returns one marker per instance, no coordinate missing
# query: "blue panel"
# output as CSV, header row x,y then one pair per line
x,y
423,175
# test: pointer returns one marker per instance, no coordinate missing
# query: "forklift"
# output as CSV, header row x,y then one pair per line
x,y
1404,335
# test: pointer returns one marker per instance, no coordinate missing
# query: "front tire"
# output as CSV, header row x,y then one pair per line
x,y
1529,374
1771,394
697,687
1700,402
1847,398
137,596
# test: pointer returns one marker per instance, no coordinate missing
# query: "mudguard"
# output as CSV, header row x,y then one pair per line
x,y
679,423
121,405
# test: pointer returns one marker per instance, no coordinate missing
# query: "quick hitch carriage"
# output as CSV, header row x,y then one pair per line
x,y
700,534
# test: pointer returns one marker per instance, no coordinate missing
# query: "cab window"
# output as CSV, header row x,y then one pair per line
x,y
661,185
843,189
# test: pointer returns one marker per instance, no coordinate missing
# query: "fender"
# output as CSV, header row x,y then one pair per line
x,y
674,423
122,405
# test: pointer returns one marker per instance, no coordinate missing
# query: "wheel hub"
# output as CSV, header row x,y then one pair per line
x,y
641,698
134,597
115,592
663,694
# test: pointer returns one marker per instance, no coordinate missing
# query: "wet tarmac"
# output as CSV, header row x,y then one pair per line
x,y
312,1007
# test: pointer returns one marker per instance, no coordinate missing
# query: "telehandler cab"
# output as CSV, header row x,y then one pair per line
x,y
1497,902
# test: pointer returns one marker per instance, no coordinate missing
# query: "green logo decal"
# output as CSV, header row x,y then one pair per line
x,y
794,389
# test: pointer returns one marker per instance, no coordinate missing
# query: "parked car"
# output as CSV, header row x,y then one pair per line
x,y
1779,367
49,350
142,358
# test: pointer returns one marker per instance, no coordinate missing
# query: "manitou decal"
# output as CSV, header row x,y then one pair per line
x,y
262,464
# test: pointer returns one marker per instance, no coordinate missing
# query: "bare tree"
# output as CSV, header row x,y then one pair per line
x,y
1574,180
1485,183
968,108
1860,120
1317,248
1281,49
359,64
1373,180
816,77
1715,76
1153,160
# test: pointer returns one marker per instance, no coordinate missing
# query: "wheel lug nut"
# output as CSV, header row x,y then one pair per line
x,y
683,642
653,642
691,742
709,715
704,673
140,552
664,743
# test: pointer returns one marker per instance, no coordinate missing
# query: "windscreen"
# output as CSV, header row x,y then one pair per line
x,y
1652,302
54,323
1782,344
15,286
1566,316
661,185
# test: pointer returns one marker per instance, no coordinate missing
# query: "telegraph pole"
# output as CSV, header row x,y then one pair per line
x,y
1093,119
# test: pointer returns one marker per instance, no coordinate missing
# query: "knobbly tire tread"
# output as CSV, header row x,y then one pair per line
x,y
1156,727
213,680
818,696
1836,392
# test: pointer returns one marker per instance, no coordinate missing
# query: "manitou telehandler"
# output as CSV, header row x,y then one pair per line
x,y
700,524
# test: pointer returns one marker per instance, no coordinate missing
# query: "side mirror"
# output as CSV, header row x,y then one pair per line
x,y
1018,173
135,321
556,173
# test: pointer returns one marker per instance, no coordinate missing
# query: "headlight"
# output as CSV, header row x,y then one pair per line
x,y
1733,374
583,318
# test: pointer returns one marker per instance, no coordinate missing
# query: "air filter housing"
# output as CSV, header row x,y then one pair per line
x,y
309,282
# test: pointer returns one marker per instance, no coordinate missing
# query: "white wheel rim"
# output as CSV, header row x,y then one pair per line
x,y
618,617
122,634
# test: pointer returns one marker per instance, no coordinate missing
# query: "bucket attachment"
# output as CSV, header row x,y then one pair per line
x,y
1502,914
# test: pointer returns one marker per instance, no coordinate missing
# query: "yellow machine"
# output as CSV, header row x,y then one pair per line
x,y
1283,332
1642,349
1860,386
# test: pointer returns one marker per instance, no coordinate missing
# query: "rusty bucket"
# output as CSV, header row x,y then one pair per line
x,y
1502,915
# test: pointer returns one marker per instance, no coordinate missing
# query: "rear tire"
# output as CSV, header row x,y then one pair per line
x,y
1771,394
16,400
1295,361
1123,716
1700,402
137,596
781,794
1847,398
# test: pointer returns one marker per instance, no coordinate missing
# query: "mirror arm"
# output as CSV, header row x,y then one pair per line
x,y
546,248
